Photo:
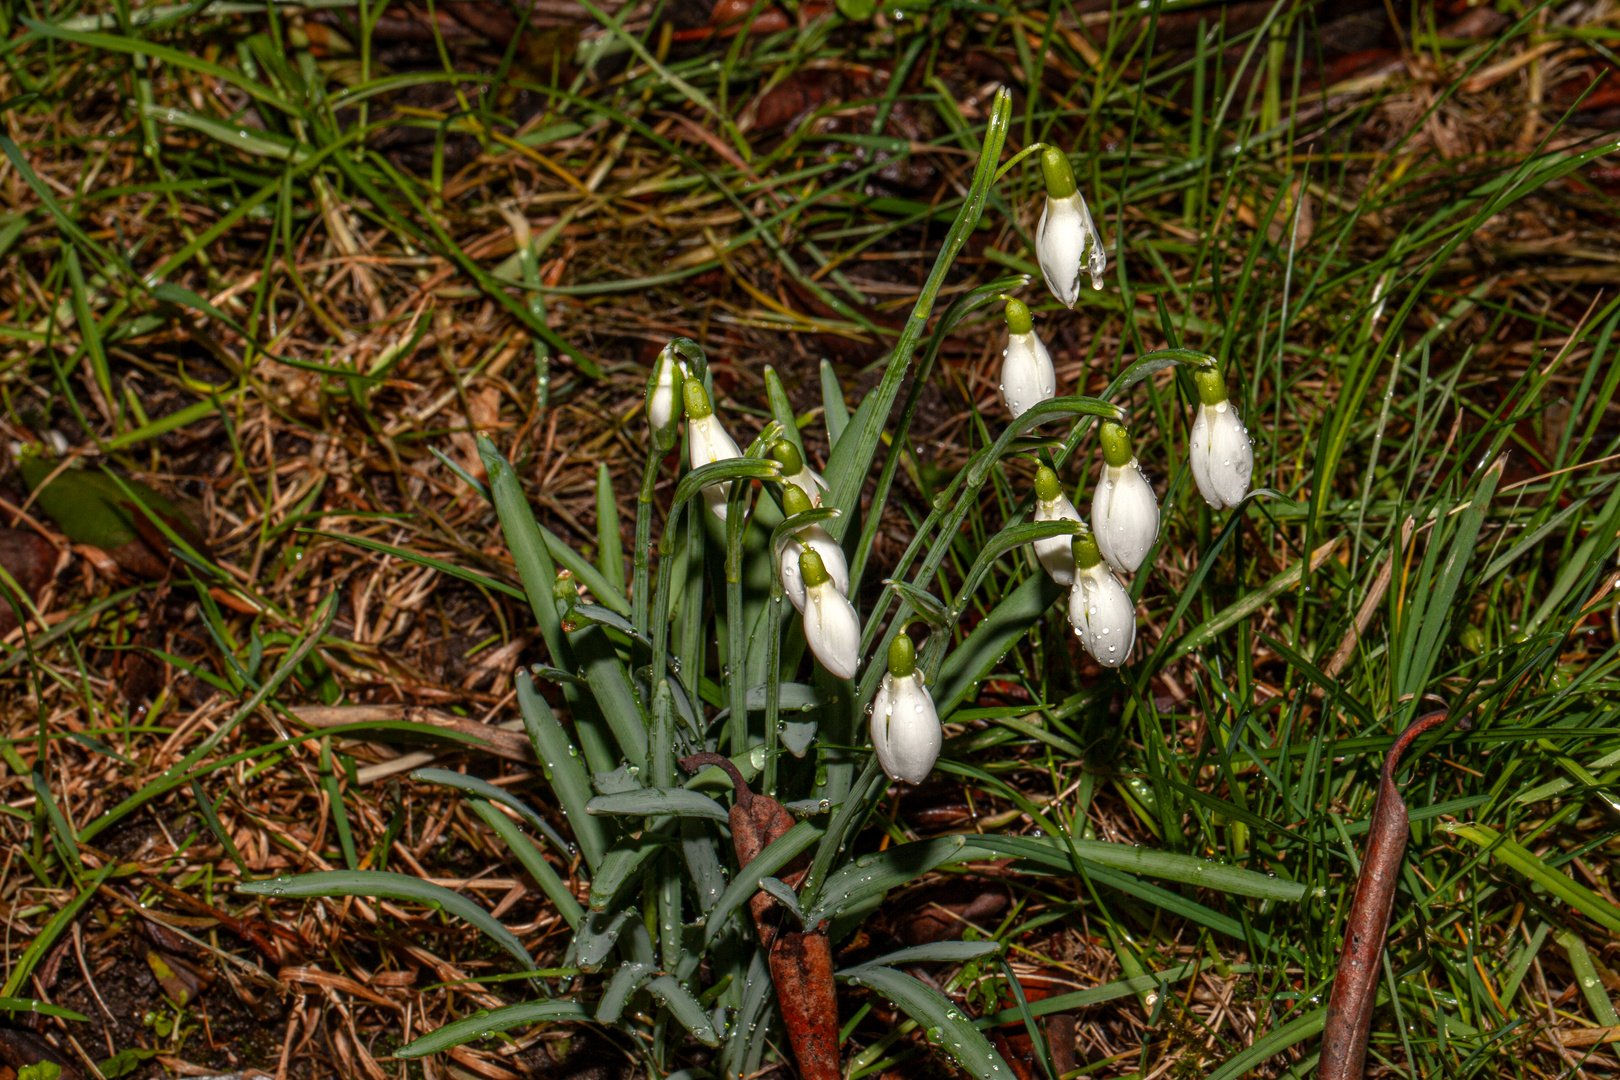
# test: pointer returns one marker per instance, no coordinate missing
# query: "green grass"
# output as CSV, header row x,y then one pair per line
x,y
1438,528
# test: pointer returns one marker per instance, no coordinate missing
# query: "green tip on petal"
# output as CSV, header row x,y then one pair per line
x,y
788,454
1086,554
1047,485
1059,177
1211,386
812,569
1116,444
794,500
1019,320
697,400
902,656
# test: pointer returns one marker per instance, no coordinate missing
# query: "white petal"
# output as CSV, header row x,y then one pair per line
x,y
1222,459
707,442
1060,244
810,482
1101,612
821,542
1198,457
1124,516
662,406
1096,258
832,629
1231,455
1027,375
1056,553
905,728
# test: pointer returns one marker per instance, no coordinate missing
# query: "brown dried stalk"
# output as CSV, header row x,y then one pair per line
x,y
801,961
1355,985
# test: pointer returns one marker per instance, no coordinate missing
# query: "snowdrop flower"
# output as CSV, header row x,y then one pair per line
x,y
813,538
707,442
1100,610
796,473
1124,510
1222,455
663,392
1027,375
831,627
1066,240
1056,553
905,725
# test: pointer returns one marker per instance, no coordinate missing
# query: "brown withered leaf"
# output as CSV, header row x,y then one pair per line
x,y
1355,985
800,961
30,559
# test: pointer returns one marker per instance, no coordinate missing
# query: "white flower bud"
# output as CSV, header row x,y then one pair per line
x,y
821,542
708,442
1124,509
662,399
1100,610
1221,455
831,627
905,725
1066,240
1056,553
1027,375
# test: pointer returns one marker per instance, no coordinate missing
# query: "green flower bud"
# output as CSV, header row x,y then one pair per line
x,y
794,500
812,569
1086,553
1116,444
1059,177
788,454
1019,320
697,400
1211,386
902,656
1047,485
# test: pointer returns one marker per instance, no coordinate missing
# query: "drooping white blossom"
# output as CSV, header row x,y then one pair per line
x,y
1027,375
814,537
707,442
1056,553
1124,509
1066,239
664,393
1100,610
1220,451
906,734
831,627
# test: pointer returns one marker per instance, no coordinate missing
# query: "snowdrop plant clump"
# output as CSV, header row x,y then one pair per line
x,y
740,636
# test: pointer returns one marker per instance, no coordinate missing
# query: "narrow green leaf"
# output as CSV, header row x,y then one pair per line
x,y
834,411
777,854
627,979
488,1021
533,860
460,572
1517,858
1165,865
684,1008
943,1021
610,545
382,883
997,632
955,952
871,876
677,802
